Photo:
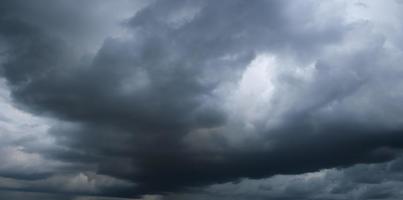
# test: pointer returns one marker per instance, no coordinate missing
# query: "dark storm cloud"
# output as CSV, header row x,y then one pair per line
x,y
135,108
362,181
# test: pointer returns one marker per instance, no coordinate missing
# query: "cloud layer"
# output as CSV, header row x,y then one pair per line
x,y
132,97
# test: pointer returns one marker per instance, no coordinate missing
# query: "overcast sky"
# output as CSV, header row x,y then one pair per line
x,y
201,99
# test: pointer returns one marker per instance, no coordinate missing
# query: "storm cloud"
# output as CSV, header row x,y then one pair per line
x,y
189,99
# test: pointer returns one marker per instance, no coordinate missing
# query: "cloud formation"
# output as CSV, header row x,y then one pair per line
x,y
163,97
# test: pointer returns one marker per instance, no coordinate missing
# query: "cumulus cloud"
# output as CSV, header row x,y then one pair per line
x,y
161,97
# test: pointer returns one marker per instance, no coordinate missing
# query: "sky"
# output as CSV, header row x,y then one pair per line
x,y
201,99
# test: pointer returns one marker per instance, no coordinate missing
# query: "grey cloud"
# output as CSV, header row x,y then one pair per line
x,y
363,181
135,108
31,196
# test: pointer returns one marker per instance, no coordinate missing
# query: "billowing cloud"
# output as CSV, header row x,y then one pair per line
x,y
161,98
